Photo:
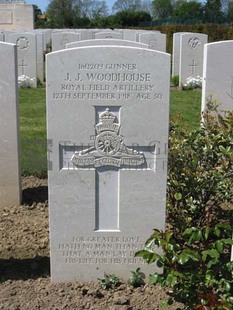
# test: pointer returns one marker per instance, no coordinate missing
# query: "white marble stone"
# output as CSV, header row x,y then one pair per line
x,y
108,35
218,74
131,35
176,53
107,117
40,56
60,39
27,53
106,42
191,55
10,183
155,41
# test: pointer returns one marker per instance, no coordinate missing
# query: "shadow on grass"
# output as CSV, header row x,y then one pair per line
x,y
35,195
24,269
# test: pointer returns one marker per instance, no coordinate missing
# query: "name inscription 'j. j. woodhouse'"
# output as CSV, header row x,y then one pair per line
x,y
90,83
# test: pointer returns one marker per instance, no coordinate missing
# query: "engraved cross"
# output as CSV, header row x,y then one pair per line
x,y
193,65
22,65
108,155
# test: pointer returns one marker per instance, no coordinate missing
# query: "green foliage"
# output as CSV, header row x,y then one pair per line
x,y
196,245
110,281
162,8
191,11
137,278
130,18
175,81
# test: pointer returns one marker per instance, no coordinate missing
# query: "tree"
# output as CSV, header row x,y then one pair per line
x,y
91,8
188,11
73,13
230,12
213,12
162,8
61,13
127,5
128,18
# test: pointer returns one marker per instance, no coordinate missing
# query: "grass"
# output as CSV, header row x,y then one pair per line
x,y
184,104
32,113
187,105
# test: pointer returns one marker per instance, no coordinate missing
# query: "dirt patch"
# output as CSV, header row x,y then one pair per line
x,y
24,266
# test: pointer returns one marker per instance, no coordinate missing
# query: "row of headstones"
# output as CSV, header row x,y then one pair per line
x,y
187,50
193,57
107,117
33,45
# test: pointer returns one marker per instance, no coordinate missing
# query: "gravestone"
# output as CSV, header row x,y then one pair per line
x,y
107,118
218,74
176,53
155,41
60,39
2,37
10,188
40,56
191,56
131,35
105,42
108,35
26,51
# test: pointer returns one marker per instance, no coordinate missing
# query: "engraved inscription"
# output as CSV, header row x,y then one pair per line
x,y
22,43
108,149
104,250
120,82
194,42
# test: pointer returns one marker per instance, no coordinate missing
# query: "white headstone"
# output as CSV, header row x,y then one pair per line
x,y
107,117
2,37
218,74
40,56
26,51
155,41
176,53
60,39
105,42
10,188
108,35
191,56
131,35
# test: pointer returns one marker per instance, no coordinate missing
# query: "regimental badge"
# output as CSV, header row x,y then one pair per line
x,y
109,148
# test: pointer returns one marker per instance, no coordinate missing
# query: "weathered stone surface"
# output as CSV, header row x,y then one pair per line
x,y
10,188
107,112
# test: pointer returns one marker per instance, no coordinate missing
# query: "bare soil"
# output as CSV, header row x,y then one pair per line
x,y
25,272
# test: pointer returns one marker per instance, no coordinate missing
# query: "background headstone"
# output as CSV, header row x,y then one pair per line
x,y
218,74
155,41
105,42
27,52
10,184
108,35
59,40
191,56
176,53
107,117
